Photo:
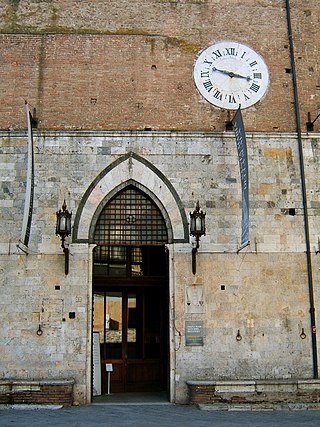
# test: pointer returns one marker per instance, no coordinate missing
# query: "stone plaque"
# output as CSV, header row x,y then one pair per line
x,y
194,332
194,299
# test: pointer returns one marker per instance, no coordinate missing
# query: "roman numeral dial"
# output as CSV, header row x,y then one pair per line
x,y
229,74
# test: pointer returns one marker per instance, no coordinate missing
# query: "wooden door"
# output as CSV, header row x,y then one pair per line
x,y
133,337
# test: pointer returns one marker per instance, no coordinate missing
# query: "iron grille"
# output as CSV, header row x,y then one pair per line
x,y
130,218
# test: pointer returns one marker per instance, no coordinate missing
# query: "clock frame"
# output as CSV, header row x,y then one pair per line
x,y
230,74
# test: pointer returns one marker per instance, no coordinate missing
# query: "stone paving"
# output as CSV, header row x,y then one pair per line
x,y
148,415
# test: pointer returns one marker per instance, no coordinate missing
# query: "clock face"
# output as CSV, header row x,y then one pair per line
x,y
229,74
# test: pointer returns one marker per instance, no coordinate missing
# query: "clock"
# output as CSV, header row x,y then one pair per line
x,y
230,75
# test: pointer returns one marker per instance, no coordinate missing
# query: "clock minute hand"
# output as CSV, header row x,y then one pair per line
x,y
231,73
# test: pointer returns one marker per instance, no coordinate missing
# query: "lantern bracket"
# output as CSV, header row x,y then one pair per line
x,y
197,229
63,229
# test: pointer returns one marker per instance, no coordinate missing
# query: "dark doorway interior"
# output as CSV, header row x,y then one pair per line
x,y
131,315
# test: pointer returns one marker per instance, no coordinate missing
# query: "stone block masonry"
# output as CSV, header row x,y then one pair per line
x,y
262,292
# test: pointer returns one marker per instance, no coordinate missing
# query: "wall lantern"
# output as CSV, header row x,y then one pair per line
x,y
197,229
63,229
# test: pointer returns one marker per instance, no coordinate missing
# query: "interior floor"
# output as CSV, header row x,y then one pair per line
x,y
132,398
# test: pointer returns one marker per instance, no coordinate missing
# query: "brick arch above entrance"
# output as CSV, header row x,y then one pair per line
x,y
131,168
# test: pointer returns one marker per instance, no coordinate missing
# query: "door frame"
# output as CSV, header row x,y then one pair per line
x,y
119,284
151,372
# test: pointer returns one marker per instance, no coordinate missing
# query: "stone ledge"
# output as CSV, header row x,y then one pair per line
x,y
246,392
50,392
37,382
261,407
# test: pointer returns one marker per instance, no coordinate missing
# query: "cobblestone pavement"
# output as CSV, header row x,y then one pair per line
x,y
148,415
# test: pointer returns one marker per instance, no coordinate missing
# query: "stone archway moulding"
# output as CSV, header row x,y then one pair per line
x,y
131,168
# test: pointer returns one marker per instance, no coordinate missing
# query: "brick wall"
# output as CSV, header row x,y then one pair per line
x,y
99,68
54,392
256,392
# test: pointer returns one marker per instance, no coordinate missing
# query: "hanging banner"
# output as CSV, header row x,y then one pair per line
x,y
28,204
244,175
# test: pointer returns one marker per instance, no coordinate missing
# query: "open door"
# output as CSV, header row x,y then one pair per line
x,y
133,338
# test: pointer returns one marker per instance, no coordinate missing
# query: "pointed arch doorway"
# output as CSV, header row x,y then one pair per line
x,y
130,292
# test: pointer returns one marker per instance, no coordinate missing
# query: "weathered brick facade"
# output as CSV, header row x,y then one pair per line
x,y
112,88
120,66
50,392
255,392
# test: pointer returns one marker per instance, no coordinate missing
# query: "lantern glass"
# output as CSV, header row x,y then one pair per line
x,y
197,222
192,224
69,224
63,227
62,224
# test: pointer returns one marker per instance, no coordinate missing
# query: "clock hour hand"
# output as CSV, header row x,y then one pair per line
x,y
231,73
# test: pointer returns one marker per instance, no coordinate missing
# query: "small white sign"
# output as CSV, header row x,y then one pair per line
x,y
109,367
96,365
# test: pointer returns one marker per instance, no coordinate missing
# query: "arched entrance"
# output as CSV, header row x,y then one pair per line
x,y
130,292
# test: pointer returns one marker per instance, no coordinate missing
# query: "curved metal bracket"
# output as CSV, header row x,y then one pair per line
x,y
66,260
194,260
194,254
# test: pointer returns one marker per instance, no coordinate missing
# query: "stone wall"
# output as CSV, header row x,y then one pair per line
x,y
260,293
255,309
197,165
38,296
